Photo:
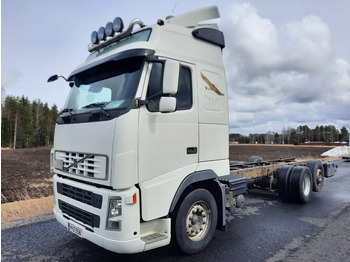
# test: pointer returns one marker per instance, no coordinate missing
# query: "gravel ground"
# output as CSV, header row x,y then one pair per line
x,y
321,248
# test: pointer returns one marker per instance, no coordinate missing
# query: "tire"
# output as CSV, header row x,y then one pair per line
x,y
301,184
283,184
196,221
254,159
317,171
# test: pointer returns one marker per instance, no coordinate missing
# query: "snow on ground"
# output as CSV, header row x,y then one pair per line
x,y
337,151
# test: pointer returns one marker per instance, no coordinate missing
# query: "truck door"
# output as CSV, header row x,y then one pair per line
x,y
168,141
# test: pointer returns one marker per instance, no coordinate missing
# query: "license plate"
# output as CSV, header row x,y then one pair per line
x,y
75,230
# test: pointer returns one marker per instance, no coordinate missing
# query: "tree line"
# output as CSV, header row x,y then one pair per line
x,y
27,124
301,134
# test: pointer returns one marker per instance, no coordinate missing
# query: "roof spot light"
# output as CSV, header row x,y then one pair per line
x,y
109,29
101,33
118,24
94,38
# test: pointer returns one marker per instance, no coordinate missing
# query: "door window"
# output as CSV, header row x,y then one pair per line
x,y
183,95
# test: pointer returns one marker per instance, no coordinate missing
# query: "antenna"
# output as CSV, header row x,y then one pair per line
x,y
172,12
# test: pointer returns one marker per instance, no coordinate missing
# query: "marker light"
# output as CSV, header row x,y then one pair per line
x,y
118,24
109,29
134,198
101,33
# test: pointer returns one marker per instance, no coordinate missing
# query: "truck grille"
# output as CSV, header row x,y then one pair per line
x,y
79,214
81,195
82,164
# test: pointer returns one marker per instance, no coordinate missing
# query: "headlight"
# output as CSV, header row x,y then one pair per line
x,y
115,213
115,207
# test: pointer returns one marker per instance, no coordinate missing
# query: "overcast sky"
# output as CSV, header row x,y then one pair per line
x,y
287,62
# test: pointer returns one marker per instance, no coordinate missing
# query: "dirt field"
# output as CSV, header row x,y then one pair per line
x,y
272,152
25,173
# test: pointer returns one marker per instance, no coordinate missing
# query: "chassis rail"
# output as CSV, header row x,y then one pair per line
x,y
252,170
266,172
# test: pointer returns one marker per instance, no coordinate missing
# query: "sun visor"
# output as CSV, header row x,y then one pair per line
x,y
119,56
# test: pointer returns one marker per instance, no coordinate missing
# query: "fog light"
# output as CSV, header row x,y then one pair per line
x,y
114,224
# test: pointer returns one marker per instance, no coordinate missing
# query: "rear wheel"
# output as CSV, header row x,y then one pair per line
x,y
196,221
317,172
301,184
283,184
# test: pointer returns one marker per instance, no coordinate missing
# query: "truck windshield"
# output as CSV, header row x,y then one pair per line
x,y
109,86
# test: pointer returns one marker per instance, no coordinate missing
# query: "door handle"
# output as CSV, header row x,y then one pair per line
x,y
191,150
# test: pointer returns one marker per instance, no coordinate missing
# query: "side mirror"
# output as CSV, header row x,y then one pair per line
x,y
171,77
52,78
167,104
55,77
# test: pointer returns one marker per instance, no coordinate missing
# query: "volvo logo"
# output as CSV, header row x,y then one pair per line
x,y
76,162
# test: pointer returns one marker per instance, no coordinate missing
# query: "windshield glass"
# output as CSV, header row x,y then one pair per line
x,y
111,86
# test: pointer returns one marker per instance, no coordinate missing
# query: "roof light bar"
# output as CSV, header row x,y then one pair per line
x,y
106,35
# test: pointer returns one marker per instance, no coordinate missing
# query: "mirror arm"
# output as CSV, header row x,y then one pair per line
x,y
140,102
64,78
55,77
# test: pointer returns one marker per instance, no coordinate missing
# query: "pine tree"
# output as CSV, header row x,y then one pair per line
x,y
25,124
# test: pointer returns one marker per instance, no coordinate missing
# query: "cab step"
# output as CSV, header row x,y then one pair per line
x,y
154,238
156,233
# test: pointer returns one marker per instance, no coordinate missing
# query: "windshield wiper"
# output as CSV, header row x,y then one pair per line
x,y
96,105
101,106
67,116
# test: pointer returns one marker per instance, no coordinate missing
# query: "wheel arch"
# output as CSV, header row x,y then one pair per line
x,y
206,179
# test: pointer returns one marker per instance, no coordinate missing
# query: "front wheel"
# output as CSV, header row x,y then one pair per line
x,y
196,221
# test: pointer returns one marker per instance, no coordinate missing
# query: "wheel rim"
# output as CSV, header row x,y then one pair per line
x,y
306,185
319,176
198,221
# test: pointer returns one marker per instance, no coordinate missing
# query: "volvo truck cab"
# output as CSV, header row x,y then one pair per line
x,y
141,147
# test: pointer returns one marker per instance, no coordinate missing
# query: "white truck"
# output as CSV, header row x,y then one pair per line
x,y
141,149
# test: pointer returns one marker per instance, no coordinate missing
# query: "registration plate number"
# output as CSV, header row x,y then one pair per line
x,y
75,230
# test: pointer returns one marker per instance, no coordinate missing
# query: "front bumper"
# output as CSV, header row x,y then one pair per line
x,y
118,246
125,240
